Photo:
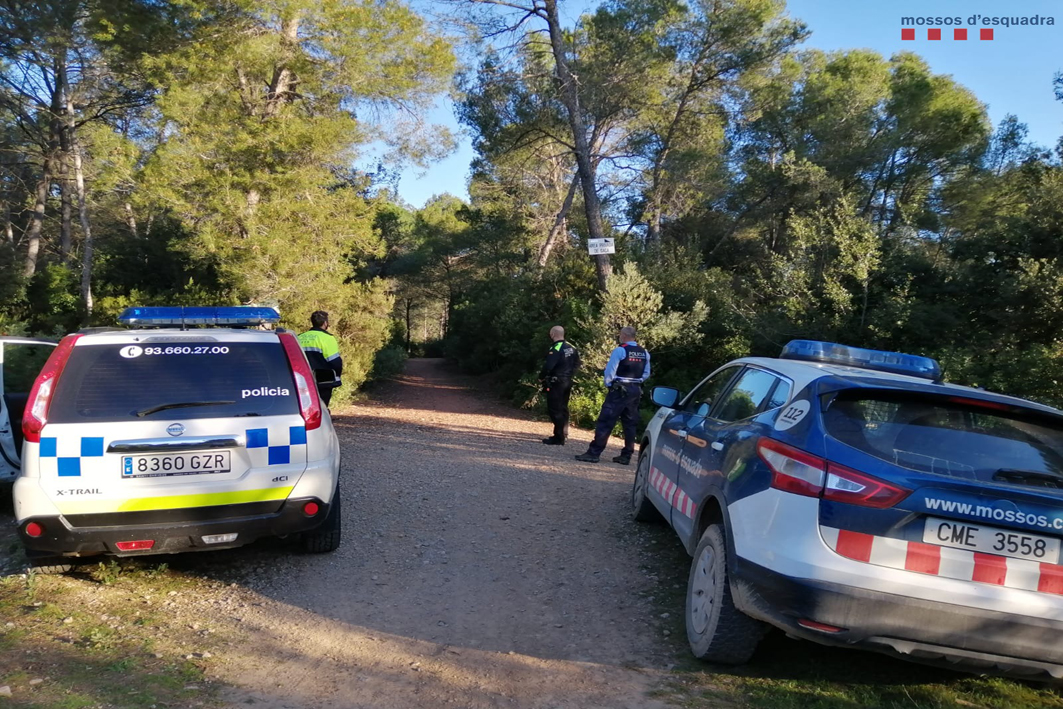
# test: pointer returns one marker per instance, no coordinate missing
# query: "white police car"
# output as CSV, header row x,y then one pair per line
x,y
850,497
171,438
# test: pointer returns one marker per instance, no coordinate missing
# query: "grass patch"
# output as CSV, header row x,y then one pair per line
x,y
106,636
794,674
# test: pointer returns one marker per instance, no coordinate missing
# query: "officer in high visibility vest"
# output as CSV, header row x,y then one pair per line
x,y
323,352
628,368
562,361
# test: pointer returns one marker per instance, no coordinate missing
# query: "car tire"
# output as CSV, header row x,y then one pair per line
x,y
642,509
717,631
49,565
326,538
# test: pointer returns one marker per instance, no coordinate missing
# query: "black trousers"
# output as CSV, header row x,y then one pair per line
x,y
621,403
325,393
558,392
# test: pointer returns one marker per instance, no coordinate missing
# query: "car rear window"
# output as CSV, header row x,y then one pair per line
x,y
181,380
936,435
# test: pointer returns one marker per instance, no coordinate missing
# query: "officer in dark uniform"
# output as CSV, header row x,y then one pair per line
x,y
628,368
562,361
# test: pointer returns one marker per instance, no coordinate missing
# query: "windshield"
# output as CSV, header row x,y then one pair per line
x,y
186,380
935,435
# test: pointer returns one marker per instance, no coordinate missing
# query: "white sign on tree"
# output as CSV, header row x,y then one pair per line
x,y
600,247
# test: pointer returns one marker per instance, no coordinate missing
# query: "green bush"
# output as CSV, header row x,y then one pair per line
x,y
388,362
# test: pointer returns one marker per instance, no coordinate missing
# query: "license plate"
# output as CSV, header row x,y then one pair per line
x,y
991,540
170,464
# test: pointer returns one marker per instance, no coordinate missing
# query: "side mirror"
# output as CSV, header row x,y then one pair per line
x,y
664,396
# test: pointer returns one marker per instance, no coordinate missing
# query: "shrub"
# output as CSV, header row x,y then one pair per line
x,y
388,362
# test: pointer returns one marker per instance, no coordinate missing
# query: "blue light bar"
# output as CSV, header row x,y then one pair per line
x,y
234,315
893,362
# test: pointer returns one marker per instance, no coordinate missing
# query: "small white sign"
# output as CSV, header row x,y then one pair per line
x,y
600,247
792,415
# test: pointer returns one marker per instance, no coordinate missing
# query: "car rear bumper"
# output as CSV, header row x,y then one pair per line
x,y
172,531
935,632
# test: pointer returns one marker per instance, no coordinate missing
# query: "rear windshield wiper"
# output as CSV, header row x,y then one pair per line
x,y
180,405
1028,477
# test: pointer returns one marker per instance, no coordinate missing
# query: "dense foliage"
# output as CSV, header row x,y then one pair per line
x,y
757,193
197,151
207,146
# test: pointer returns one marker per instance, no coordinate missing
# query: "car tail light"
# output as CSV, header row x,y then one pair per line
x,y
845,485
305,384
978,403
311,508
40,396
792,469
34,529
819,627
139,545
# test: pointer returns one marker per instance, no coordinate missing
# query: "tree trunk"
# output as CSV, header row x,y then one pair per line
x,y
86,233
653,220
67,199
283,83
409,308
559,223
9,230
130,219
33,231
584,160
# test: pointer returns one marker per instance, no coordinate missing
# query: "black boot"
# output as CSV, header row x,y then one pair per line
x,y
551,441
587,458
622,459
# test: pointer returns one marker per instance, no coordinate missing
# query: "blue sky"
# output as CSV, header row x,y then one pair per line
x,y
1010,74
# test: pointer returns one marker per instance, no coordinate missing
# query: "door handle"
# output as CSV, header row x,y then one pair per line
x,y
681,433
717,446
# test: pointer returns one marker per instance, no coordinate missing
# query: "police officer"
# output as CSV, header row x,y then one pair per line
x,y
562,361
323,352
628,368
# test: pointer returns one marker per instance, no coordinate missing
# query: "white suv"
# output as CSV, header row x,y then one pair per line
x,y
174,437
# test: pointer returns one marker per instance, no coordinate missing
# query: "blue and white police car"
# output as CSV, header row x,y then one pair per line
x,y
194,430
852,498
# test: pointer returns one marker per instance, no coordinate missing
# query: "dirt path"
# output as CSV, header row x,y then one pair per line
x,y
479,568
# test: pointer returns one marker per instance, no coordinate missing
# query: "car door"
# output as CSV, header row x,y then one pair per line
x,y
20,361
752,392
664,476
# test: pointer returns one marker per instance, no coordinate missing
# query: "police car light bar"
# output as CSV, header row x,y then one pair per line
x,y
893,362
237,315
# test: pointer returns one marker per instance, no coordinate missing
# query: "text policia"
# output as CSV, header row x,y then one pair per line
x,y
980,20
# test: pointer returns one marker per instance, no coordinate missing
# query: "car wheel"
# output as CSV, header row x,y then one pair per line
x,y
717,631
325,538
641,507
48,565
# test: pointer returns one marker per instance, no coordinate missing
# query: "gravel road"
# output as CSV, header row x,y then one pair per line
x,y
479,568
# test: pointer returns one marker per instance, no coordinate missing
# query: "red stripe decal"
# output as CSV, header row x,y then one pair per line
x,y
989,568
923,558
855,545
1051,579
